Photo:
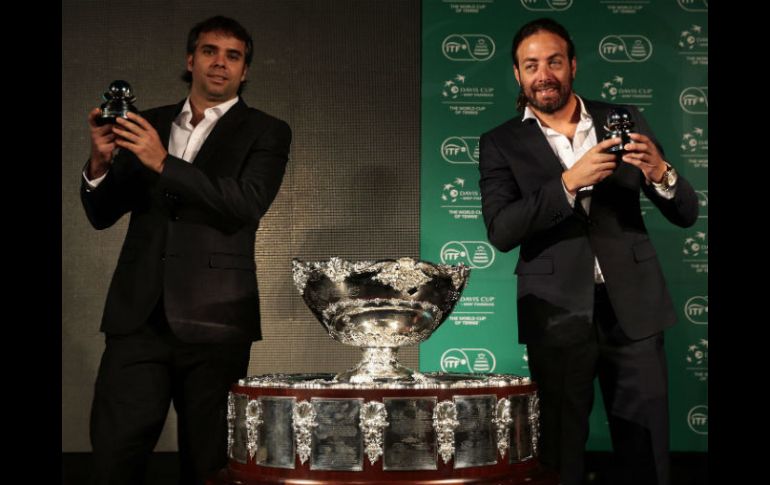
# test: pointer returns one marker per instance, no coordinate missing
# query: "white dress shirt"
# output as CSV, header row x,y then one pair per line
x,y
186,140
569,152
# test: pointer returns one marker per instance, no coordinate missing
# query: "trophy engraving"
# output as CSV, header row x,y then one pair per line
x,y
410,440
337,442
475,435
275,445
119,100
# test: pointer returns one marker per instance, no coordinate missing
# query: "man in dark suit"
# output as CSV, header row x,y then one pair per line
x,y
182,308
591,295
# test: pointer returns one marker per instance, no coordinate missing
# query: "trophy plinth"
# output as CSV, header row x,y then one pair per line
x,y
380,306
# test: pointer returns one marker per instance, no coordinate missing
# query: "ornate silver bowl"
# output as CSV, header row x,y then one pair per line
x,y
379,306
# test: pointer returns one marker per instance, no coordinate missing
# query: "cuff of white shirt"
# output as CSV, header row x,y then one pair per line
x,y
92,184
666,193
570,197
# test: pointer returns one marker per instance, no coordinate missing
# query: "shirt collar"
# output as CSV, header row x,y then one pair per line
x,y
215,112
584,116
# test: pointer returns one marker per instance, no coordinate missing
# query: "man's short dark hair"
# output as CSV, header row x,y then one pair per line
x,y
224,25
535,26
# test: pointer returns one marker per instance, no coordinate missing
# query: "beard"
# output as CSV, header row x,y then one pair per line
x,y
550,104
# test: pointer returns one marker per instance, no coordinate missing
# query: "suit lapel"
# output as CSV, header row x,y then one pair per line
x,y
534,141
165,119
222,130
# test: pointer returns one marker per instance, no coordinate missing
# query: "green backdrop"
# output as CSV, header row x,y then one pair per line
x,y
649,53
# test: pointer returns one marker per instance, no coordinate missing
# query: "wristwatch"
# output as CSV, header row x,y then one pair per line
x,y
669,179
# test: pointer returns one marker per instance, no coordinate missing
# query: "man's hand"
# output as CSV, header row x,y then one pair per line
x,y
140,137
593,167
102,146
643,153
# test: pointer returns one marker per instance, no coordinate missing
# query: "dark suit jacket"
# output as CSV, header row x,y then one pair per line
x,y
524,204
192,228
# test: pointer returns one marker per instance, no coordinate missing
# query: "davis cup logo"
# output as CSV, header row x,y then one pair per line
x,y
546,5
468,47
696,246
476,254
698,354
460,149
697,310
610,88
625,48
690,39
694,5
695,100
703,198
693,141
452,87
698,419
468,360
451,191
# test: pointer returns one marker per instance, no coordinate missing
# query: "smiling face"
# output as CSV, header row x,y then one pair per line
x,y
545,71
218,67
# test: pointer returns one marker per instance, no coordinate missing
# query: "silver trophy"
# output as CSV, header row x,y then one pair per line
x,y
380,306
119,100
380,419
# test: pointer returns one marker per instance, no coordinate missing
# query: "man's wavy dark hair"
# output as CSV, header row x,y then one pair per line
x,y
226,26
532,28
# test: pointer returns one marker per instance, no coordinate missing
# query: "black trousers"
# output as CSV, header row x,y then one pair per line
x,y
634,384
139,376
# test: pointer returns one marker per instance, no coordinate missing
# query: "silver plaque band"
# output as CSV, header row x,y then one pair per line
x,y
275,440
337,442
410,440
476,436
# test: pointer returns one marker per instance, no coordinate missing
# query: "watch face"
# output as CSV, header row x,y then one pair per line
x,y
670,177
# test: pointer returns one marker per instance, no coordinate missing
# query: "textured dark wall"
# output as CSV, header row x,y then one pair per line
x,y
343,73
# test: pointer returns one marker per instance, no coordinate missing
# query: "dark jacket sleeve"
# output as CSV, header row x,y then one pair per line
x,y
511,216
682,209
234,201
116,194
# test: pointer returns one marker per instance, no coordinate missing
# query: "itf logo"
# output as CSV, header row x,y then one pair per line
x,y
698,419
470,360
695,100
468,47
546,5
460,149
625,48
476,254
694,5
696,309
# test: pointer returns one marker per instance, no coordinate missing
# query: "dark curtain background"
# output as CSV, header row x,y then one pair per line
x,y
342,73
